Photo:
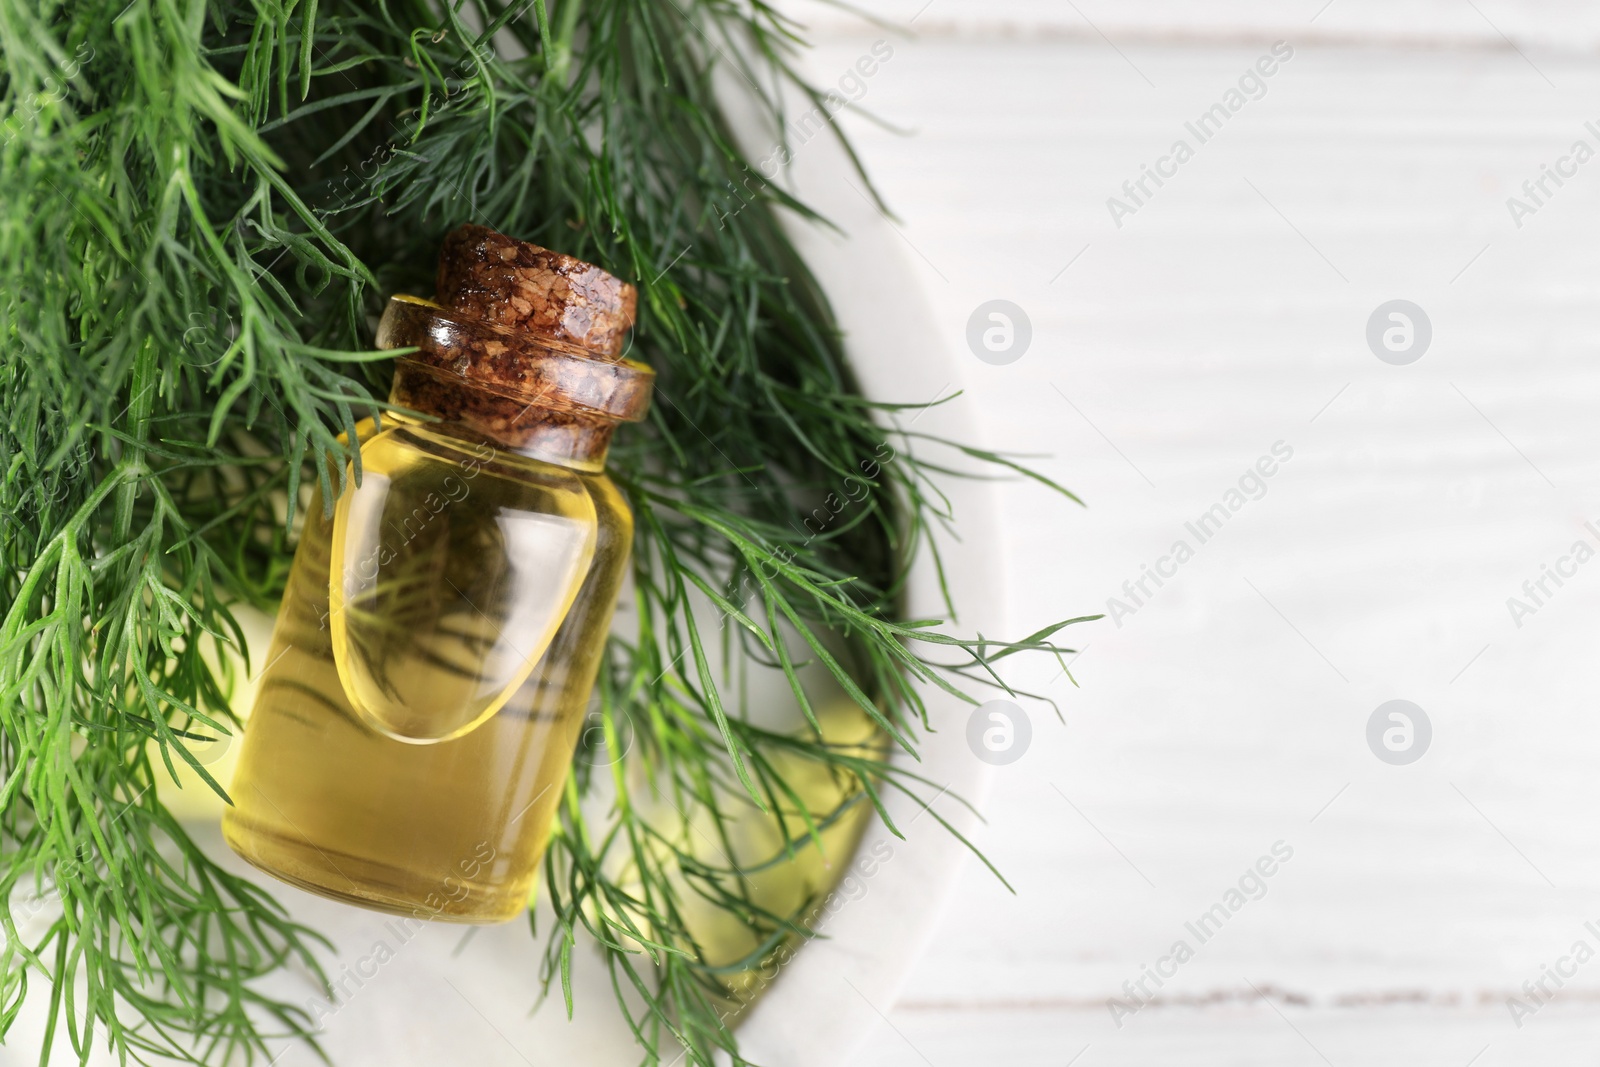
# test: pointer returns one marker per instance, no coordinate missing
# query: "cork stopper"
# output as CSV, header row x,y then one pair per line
x,y
489,276
521,345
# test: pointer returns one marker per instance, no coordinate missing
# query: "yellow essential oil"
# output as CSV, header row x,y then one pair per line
x,y
454,579
441,630
806,884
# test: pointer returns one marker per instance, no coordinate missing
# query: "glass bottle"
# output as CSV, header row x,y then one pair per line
x,y
441,631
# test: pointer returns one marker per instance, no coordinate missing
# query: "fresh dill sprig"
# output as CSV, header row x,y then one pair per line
x,y
202,204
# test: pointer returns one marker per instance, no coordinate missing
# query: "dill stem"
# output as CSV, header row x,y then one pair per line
x,y
546,46
142,391
561,58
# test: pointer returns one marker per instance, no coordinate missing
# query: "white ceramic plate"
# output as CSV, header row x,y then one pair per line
x,y
445,995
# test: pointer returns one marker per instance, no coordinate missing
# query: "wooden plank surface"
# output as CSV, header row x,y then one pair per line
x,y
1229,711
1565,26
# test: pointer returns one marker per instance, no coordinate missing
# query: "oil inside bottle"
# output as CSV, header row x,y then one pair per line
x,y
451,830
448,583
443,625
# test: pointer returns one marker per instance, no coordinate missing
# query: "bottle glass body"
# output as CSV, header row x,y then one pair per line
x,y
428,676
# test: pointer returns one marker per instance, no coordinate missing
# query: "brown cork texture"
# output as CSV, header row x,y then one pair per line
x,y
517,284
514,363
508,420
520,346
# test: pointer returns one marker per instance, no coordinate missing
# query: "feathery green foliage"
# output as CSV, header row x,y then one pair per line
x,y
202,205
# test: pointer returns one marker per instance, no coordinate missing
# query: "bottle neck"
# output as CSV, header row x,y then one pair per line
x,y
521,347
563,436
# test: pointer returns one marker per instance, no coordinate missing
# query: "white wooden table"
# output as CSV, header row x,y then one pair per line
x,y
1229,711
